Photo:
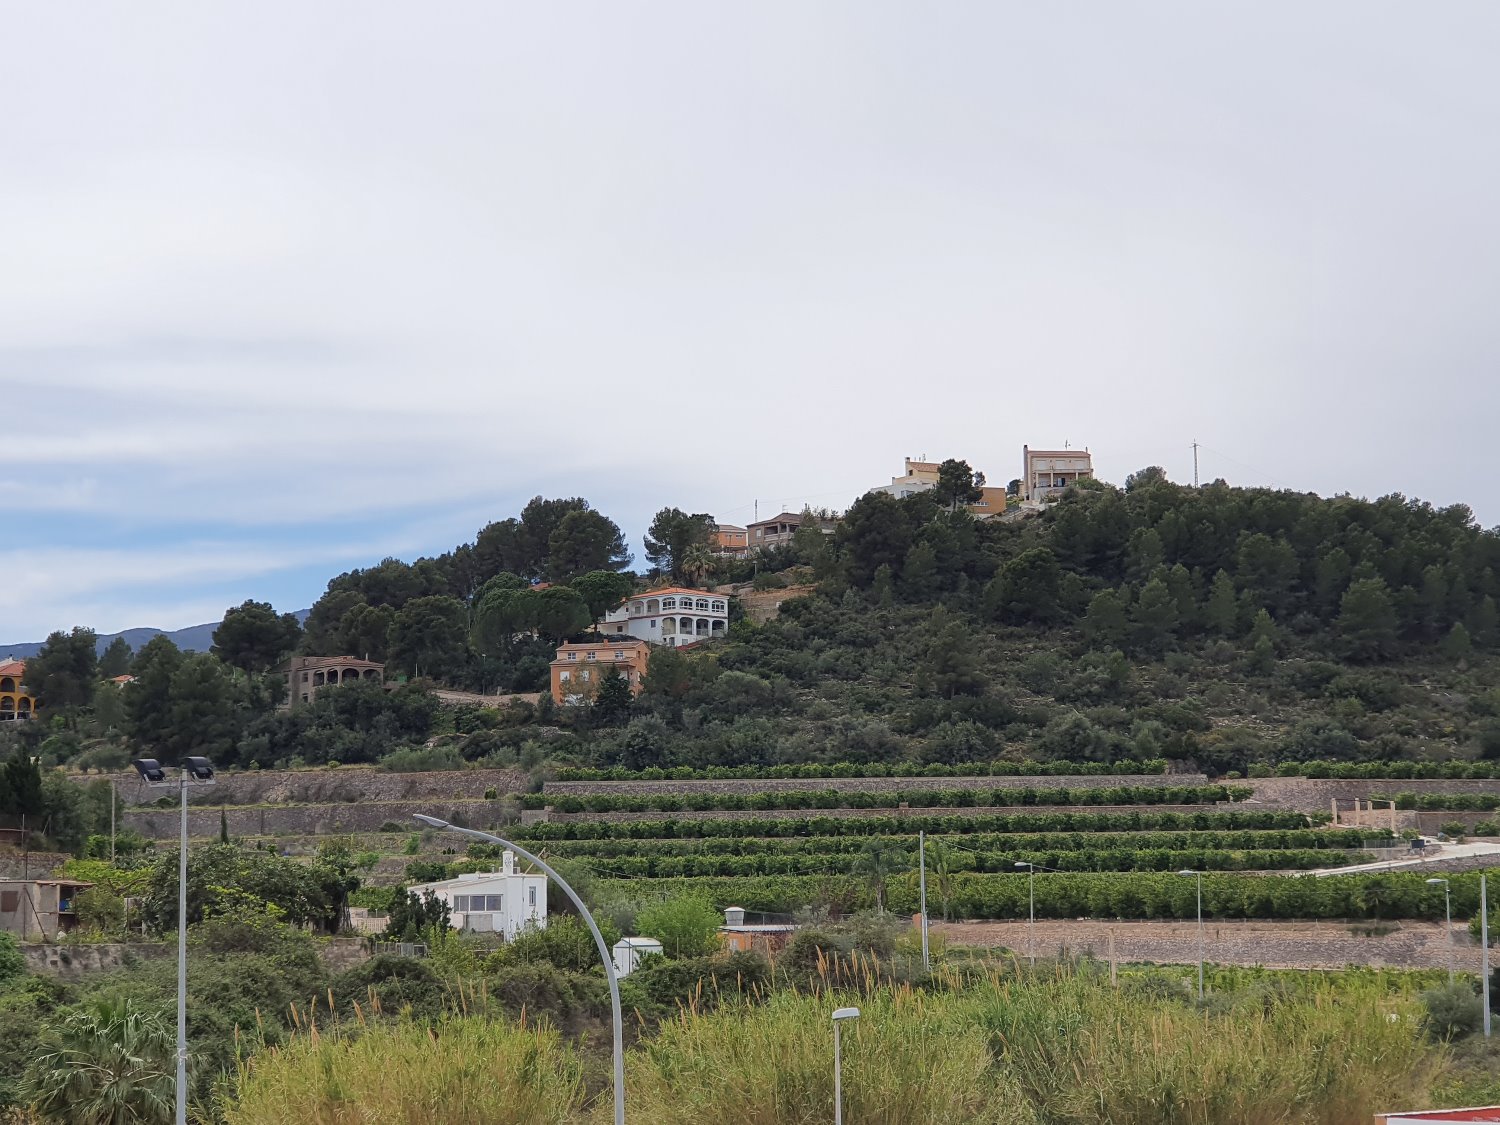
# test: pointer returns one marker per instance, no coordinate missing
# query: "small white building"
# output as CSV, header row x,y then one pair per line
x,y
674,616
485,902
1046,472
631,951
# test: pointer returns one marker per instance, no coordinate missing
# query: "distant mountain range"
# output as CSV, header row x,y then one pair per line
x,y
195,638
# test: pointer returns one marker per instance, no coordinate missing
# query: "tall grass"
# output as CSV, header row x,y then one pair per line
x,y
1084,1054
460,1072
909,1060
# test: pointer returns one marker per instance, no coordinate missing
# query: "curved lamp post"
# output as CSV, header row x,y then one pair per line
x,y
609,965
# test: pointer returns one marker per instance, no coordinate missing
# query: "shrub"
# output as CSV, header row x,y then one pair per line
x,y
686,926
1452,1011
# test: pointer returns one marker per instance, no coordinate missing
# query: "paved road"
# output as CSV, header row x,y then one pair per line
x,y
1429,855
1289,945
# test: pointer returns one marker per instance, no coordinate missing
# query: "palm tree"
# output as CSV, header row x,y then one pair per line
x,y
877,863
107,1063
940,858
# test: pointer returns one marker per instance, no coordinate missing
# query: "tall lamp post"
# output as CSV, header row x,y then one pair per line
x,y
195,771
1031,918
609,965
922,866
1448,916
1199,876
838,1062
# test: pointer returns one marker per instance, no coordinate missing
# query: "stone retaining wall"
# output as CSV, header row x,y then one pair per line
x,y
312,820
30,865
346,784
1314,795
72,962
874,784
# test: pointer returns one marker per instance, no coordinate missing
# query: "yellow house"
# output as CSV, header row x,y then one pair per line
x,y
16,701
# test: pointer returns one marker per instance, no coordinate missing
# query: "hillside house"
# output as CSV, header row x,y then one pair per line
x,y
39,909
675,615
304,675
501,902
922,476
1046,472
730,541
16,700
580,668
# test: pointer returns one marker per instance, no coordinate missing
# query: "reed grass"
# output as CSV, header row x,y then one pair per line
x,y
460,1072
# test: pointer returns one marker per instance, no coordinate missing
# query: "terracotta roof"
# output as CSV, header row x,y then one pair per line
x,y
609,642
782,517
310,662
122,679
12,667
669,590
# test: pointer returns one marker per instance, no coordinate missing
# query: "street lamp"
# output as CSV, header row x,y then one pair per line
x,y
195,771
609,965
1199,876
1448,914
839,1017
1031,920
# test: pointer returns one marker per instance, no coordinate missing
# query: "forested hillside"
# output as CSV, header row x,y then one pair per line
x,y
1226,629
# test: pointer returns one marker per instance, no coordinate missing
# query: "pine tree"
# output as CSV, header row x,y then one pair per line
x,y
612,700
951,658
1105,625
1221,613
1456,644
1154,617
1367,623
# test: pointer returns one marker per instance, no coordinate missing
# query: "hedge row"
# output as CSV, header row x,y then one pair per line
x,y
1110,859
813,770
953,823
1128,895
1284,840
1444,802
1380,771
865,799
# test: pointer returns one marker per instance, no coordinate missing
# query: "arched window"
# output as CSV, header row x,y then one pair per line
x,y
669,603
371,674
351,674
718,628
317,679
652,606
718,607
702,604
702,626
7,707
668,626
7,684
23,707
640,607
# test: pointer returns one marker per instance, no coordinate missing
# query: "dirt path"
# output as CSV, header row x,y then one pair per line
x,y
1288,945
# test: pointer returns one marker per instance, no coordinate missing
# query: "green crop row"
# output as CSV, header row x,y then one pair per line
x,y
1445,802
895,798
811,771
1284,840
952,823
1381,771
1127,895
1110,859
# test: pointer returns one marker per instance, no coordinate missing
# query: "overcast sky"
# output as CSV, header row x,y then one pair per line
x,y
288,287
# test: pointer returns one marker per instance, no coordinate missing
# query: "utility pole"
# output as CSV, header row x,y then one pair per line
x,y
1195,464
1484,942
922,864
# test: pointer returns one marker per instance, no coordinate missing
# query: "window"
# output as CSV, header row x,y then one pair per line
x,y
304,677
304,697
10,902
669,603
564,676
653,623
639,607
593,655
584,675
460,904
572,656
492,903
718,607
531,897
702,603
619,654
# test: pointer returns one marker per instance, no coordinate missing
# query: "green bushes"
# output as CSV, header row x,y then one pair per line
x,y
870,799
814,770
1381,771
1446,802
909,825
1127,895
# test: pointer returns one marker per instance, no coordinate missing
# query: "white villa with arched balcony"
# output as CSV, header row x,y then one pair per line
x,y
673,616
305,675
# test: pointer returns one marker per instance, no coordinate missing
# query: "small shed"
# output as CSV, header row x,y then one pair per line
x,y
630,951
39,908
